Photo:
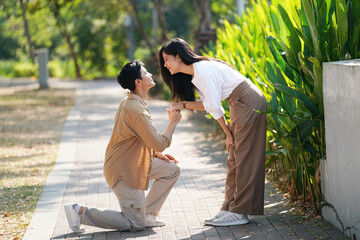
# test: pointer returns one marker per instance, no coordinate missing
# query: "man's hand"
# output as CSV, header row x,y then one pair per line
x,y
174,116
166,157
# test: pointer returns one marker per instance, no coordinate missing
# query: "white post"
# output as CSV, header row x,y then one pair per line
x,y
42,57
340,170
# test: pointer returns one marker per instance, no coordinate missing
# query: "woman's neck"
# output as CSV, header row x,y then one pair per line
x,y
187,69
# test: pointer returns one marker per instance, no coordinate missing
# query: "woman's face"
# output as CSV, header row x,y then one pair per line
x,y
172,63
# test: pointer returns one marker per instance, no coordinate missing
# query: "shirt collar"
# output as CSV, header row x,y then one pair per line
x,y
137,97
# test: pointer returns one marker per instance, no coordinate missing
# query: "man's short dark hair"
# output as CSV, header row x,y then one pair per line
x,y
129,73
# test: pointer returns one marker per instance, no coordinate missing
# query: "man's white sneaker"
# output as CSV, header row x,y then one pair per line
x,y
220,214
230,219
73,218
152,221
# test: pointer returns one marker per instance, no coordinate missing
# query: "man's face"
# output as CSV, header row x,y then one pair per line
x,y
147,81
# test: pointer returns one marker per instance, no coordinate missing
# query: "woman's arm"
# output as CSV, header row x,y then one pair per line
x,y
197,105
229,136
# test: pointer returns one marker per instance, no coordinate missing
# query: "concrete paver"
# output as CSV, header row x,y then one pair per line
x,y
197,195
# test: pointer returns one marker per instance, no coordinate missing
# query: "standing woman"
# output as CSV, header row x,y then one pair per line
x,y
214,80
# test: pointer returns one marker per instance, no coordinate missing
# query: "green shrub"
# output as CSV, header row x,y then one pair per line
x,y
7,68
25,70
55,69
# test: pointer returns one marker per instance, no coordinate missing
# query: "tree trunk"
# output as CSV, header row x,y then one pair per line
x,y
155,26
27,31
140,27
162,20
73,54
197,8
205,20
205,34
62,28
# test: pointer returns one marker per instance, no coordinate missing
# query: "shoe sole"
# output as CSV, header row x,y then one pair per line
x,y
209,221
229,224
68,209
154,225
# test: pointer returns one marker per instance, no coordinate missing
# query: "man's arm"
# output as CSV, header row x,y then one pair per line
x,y
146,131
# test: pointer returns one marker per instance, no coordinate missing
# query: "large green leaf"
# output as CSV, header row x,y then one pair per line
x,y
274,46
275,20
309,104
318,83
292,43
342,22
325,13
276,76
354,29
301,131
308,74
309,12
271,160
310,148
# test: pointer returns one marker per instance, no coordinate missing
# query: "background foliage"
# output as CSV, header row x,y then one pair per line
x,y
94,31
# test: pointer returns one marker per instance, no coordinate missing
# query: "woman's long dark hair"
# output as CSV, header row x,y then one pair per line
x,y
180,83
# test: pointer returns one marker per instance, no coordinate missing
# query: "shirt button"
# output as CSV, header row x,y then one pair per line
x,y
131,205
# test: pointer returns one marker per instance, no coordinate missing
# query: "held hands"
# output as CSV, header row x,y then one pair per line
x,y
176,106
166,157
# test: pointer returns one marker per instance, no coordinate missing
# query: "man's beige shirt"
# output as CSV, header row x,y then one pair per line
x,y
132,145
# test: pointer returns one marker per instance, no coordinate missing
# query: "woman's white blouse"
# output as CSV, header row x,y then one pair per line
x,y
215,81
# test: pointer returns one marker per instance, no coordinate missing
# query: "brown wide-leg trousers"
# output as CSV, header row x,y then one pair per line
x,y
244,190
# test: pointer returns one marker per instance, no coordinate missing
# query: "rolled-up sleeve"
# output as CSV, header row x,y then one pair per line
x,y
149,135
210,93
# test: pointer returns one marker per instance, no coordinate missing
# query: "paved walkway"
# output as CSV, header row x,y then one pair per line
x,y
77,177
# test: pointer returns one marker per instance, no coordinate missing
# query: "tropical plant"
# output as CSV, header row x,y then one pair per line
x,y
281,48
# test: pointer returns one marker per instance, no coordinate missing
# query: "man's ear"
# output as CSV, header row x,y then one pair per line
x,y
137,82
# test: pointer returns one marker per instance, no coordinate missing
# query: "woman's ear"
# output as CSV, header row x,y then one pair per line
x,y
178,58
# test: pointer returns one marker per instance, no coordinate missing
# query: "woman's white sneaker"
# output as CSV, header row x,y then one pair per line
x,y
220,214
230,219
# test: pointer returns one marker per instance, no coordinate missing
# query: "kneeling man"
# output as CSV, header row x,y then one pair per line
x,y
133,157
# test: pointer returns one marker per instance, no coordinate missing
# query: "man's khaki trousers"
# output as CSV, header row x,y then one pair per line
x,y
132,201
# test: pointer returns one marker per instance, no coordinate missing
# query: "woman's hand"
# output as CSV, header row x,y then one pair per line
x,y
229,137
229,141
166,157
176,106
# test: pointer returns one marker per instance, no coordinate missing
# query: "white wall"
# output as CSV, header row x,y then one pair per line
x,y
340,171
